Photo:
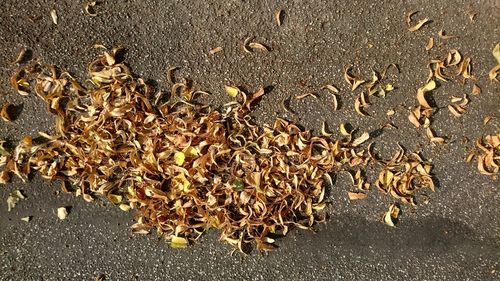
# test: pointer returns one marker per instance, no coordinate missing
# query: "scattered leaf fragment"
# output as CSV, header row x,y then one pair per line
x,y
331,88
258,46
278,16
215,50
419,25
456,110
487,119
4,112
476,90
356,195
62,213
391,216
89,8
353,81
431,85
494,72
20,57
53,14
361,139
430,44
309,94
13,199
26,219
496,52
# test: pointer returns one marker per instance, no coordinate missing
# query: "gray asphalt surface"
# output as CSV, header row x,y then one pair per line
x,y
455,236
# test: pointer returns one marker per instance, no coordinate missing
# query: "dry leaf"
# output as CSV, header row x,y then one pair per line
x,y
89,8
232,91
53,14
418,25
115,199
456,110
364,137
215,50
170,74
496,52
258,46
353,81
476,90
278,16
358,105
323,130
4,112
245,45
124,207
421,93
494,72
454,58
177,242
20,56
343,130
414,119
487,119
391,215
430,44
330,88
179,158
13,199
356,195
408,18
335,102
299,97
26,219
62,213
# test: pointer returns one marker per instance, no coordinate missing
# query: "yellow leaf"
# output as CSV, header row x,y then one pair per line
x,y
178,242
124,207
62,213
429,86
232,91
496,52
388,176
179,158
182,183
115,199
191,151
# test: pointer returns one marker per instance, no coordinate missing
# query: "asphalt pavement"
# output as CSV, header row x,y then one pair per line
x,y
455,235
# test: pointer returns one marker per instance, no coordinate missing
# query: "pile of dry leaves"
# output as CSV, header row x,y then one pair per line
x,y
183,167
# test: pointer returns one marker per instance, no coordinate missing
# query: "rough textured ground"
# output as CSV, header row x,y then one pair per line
x,y
455,236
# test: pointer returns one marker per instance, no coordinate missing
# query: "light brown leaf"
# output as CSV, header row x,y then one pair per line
x,y
419,25
476,90
53,14
364,137
430,44
278,16
215,50
356,195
